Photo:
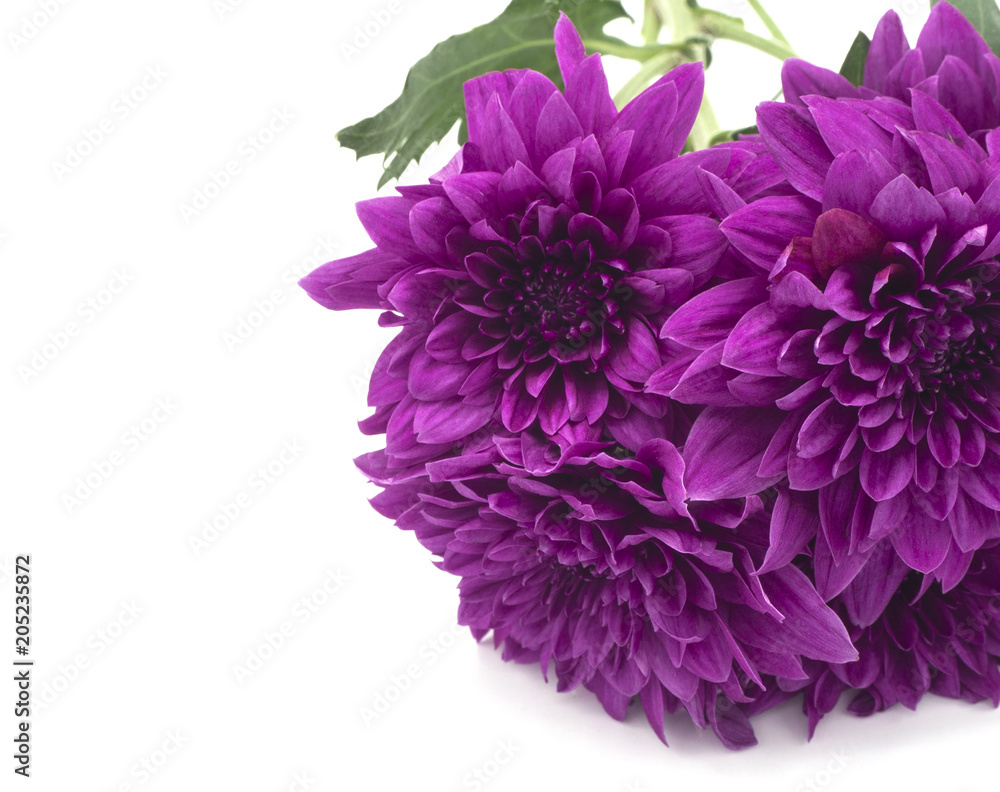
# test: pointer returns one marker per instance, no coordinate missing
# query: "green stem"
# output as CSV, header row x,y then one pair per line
x,y
630,51
706,126
651,23
654,67
679,17
723,27
769,23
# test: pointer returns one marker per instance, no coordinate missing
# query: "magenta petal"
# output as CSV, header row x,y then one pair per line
x,y
724,450
588,95
844,127
905,211
479,92
636,356
501,144
352,282
837,503
885,474
867,596
654,108
474,195
794,522
922,541
556,127
970,523
947,165
449,420
948,32
570,51
707,318
518,409
756,342
689,78
387,222
852,184
815,629
705,380
827,426
763,229
800,78
982,483
842,237
888,46
830,578
430,222
930,116
944,439
697,244
446,340
526,104
792,137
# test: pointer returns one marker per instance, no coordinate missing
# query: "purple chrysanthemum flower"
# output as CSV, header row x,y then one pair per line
x,y
859,357
925,641
950,63
592,565
531,276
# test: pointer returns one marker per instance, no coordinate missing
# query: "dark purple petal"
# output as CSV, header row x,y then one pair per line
x,y
756,342
905,211
922,541
842,237
707,318
888,46
763,229
792,137
794,522
800,78
724,451
884,474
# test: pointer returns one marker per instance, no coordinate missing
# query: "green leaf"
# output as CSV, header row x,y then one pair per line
x,y
854,64
984,16
432,99
731,135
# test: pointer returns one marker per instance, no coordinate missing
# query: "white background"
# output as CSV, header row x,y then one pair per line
x,y
116,687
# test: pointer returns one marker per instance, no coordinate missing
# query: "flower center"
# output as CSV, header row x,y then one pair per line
x,y
959,362
557,296
954,344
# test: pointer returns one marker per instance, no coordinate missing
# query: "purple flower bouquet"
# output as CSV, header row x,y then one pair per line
x,y
704,427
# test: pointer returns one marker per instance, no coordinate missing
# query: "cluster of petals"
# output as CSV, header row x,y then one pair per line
x,y
706,430
591,563
855,366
